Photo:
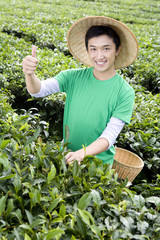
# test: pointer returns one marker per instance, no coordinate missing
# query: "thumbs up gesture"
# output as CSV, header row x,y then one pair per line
x,y
30,63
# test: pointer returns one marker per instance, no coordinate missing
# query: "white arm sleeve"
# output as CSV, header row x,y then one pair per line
x,y
112,130
48,86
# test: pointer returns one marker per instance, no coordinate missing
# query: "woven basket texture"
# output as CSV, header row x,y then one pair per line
x,y
127,164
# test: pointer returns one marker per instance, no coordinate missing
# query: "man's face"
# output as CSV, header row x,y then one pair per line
x,y
102,53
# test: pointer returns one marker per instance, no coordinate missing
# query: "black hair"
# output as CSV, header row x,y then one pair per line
x,y
96,31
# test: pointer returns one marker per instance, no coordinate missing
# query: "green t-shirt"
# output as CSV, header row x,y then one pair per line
x,y
90,103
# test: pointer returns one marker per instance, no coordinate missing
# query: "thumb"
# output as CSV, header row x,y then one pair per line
x,y
33,51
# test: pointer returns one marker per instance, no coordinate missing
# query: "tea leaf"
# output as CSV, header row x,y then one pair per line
x,y
18,215
7,177
90,216
18,169
155,200
17,183
142,226
51,174
73,238
10,207
54,233
29,140
81,225
92,169
24,126
84,216
139,201
62,210
35,196
57,220
128,222
96,230
4,161
54,204
84,201
96,197
37,222
5,143
26,237
75,168
32,171
27,227
109,226
2,204
17,235
29,216
36,133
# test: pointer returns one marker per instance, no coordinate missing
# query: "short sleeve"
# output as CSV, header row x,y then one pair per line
x,y
125,103
64,80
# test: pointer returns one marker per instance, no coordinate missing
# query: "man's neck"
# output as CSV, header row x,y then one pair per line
x,y
102,76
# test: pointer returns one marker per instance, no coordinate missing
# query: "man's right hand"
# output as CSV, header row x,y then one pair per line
x,y
29,67
30,63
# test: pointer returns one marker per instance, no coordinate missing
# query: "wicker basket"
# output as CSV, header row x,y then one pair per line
x,y
127,164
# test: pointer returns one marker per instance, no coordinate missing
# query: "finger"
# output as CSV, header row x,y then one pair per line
x,y
29,63
31,59
70,163
70,159
34,51
28,72
27,68
68,155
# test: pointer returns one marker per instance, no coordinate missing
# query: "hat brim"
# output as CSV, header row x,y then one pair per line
x,y
76,40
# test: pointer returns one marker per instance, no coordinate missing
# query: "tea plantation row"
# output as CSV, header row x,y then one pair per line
x,y
49,29
42,198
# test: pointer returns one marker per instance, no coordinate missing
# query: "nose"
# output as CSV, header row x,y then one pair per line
x,y
100,54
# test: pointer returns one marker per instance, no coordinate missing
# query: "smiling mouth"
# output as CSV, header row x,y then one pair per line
x,y
101,63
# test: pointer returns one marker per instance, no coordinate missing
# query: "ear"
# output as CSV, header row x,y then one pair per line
x,y
117,52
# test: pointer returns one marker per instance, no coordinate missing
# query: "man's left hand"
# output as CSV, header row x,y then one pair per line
x,y
77,155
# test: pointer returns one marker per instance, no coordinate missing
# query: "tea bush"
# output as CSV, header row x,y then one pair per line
x,y
142,135
43,198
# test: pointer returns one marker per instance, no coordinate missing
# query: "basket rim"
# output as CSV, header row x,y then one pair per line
x,y
134,167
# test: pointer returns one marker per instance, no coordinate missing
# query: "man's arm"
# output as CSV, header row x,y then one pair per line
x,y
98,146
104,142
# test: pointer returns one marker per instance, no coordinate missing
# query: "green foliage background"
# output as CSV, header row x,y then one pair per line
x,y
41,198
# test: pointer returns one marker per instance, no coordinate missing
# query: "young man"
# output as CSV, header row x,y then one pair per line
x,y
98,100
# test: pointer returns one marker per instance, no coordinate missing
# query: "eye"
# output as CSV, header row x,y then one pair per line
x,y
93,49
106,49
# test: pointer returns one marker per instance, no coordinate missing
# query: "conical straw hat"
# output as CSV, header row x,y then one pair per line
x,y
76,40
